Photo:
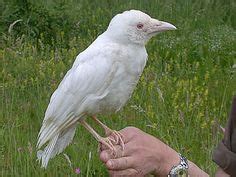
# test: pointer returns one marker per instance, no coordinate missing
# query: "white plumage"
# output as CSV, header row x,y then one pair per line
x,y
101,80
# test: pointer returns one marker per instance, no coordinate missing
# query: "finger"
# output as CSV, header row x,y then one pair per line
x,y
126,134
127,172
103,146
119,152
120,164
108,154
114,140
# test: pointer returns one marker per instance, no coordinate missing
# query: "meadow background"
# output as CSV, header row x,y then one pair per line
x,y
183,97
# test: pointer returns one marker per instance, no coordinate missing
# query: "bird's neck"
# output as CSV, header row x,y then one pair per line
x,y
119,39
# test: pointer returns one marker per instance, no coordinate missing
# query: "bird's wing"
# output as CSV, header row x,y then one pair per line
x,y
90,76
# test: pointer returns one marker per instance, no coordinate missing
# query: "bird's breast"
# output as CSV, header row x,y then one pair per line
x,y
125,79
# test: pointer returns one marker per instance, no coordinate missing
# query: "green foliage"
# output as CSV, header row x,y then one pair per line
x,y
39,24
183,96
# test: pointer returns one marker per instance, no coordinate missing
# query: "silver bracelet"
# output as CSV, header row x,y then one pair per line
x,y
181,169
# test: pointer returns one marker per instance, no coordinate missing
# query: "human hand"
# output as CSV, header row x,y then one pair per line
x,y
143,154
221,173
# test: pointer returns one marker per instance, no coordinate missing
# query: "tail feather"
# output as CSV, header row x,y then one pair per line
x,y
56,145
45,155
49,129
44,135
64,140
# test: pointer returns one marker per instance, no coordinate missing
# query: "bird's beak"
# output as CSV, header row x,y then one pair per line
x,y
160,26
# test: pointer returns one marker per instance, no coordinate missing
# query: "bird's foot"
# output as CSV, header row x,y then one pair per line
x,y
108,142
118,138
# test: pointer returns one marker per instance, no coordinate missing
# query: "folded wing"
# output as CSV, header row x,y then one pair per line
x,y
89,77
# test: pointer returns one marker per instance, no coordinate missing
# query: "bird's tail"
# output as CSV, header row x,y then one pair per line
x,y
56,145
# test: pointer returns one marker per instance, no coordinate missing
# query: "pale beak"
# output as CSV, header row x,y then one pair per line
x,y
160,26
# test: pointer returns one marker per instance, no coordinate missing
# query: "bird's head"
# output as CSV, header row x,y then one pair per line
x,y
136,27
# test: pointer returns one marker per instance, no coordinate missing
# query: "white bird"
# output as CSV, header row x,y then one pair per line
x,y
101,80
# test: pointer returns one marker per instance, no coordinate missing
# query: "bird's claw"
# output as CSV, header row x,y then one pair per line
x,y
118,138
108,142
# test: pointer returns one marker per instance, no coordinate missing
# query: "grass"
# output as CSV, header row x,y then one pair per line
x,y
183,96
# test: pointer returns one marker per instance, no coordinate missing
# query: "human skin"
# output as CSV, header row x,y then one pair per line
x,y
143,154
221,173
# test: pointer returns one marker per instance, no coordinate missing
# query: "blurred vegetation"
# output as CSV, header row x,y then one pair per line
x,y
183,97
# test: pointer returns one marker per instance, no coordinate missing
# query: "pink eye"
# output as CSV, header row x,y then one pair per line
x,y
140,26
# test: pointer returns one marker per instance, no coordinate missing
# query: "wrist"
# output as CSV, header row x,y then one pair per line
x,y
171,158
167,158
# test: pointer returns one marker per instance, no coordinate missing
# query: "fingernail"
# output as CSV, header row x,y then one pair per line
x,y
110,164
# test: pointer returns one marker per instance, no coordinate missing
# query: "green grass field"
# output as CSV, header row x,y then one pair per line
x,y
183,97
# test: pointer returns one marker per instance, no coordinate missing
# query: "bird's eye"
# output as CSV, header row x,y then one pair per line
x,y
139,26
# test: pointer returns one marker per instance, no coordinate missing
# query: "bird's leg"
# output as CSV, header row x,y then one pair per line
x,y
117,135
108,131
106,141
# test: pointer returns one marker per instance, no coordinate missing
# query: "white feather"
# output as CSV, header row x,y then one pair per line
x,y
101,80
